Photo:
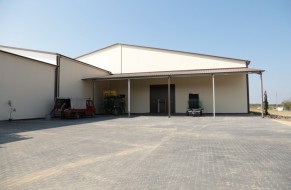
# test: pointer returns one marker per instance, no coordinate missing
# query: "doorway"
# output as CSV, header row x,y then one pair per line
x,y
159,98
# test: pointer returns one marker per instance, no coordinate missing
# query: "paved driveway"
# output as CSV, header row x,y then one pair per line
x,y
146,153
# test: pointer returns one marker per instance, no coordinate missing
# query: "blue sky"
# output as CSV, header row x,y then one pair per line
x,y
257,30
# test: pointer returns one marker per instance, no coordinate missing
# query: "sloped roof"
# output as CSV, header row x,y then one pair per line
x,y
16,55
180,73
24,49
166,50
50,53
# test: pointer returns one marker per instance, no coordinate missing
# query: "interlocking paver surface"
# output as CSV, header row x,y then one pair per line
x,y
146,152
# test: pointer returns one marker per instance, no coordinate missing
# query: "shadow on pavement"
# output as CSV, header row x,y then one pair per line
x,y
9,131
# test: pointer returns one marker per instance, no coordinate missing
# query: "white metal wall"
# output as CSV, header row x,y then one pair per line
x,y
71,75
28,84
136,59
108,59
230,93
139,59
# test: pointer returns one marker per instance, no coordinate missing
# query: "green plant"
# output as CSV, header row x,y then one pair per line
x,y
287,104
12,109
266,103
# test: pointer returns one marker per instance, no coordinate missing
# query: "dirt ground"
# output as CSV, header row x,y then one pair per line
x,y
272,112
279,116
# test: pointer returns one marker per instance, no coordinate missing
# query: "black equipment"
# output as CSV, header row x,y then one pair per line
x,y
114,104
194,107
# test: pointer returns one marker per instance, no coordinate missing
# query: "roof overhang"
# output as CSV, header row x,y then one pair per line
x,y
181,73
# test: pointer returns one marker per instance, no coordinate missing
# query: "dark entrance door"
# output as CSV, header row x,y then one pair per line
x,y
159,98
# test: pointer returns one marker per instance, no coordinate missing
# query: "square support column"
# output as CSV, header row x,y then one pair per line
x,y
128,98
169,97
94,94
213,94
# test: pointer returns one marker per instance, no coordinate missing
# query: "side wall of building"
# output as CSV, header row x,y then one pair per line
x,y
28,84
108,59
230,92
139,59
71,74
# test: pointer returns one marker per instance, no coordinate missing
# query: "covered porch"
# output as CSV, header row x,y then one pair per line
x,y
220,90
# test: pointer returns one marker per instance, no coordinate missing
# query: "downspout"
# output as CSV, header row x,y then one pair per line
x,y
57,81
57,77
248,93
94,89
248,89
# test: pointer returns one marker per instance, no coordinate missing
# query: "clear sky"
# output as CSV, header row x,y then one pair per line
x,y
256,30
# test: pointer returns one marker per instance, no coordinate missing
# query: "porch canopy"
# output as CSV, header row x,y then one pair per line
x,y
180,73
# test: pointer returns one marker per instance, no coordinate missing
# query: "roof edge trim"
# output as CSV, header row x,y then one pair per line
x,y
169,50
24,49
84,63
177,73
28,58
91,52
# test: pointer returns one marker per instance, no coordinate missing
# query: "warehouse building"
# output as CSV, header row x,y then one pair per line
x,y
153,74
154,80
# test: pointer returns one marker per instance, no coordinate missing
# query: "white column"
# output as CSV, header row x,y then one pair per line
x,y
213,94
128,96
94,96
169,97
262,95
